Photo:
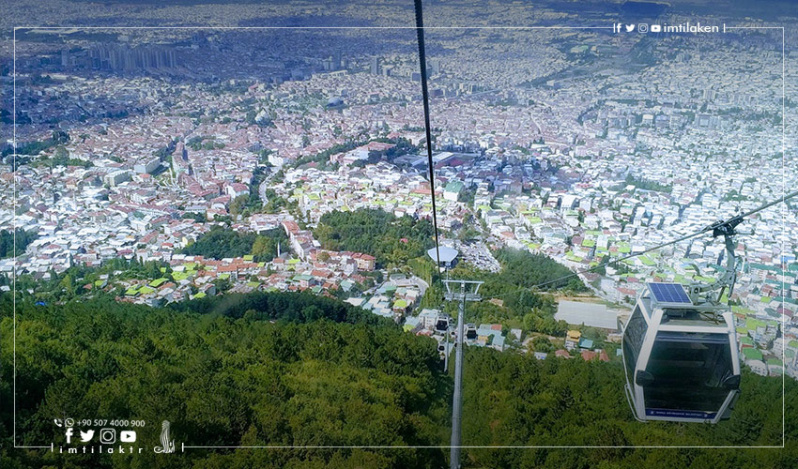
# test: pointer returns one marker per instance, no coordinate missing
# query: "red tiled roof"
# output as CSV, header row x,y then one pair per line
x,y
588,355
562,354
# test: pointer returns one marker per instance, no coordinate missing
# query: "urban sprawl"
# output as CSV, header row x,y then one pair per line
x,y
619,143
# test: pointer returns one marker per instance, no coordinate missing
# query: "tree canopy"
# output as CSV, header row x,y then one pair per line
x,y
221,242
10,247
297,369
512,399
392,240
527,270
521,305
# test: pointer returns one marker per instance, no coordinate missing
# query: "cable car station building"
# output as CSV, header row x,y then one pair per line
x,y
448,256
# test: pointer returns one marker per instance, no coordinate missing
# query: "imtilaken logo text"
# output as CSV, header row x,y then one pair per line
x,y
688,28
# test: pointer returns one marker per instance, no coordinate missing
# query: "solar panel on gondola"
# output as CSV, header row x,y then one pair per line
x,y
669,293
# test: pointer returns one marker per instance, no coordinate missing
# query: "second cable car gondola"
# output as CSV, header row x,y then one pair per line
x,y
442,323
680,349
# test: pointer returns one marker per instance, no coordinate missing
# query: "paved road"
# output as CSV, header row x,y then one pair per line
x,y
265,184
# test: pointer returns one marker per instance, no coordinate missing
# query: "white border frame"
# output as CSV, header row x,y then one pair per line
x,y
183,446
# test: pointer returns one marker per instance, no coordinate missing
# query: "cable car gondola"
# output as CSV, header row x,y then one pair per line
x,y
679,344
680,348
442,323
471,331
680,357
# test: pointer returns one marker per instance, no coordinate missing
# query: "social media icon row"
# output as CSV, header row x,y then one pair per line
x,y
107,436
641,28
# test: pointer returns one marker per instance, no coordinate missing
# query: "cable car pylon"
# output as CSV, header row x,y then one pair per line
x,y
463,295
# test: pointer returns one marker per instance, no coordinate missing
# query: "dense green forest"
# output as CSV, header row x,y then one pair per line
x,y
512,400
35,147
524,269
9,247
221,242
60,158
521,305
296,369
299,370
323,158
393,241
